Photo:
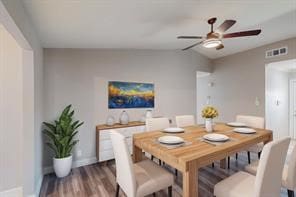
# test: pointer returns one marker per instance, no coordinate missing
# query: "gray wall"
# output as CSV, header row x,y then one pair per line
x,y
24,33
238,79
80,77
11,105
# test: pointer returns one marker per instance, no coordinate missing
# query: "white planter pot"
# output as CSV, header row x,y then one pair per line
x,y
209,125
62,166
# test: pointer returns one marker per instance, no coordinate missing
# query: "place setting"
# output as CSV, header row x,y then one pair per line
x,y
173,130
215,139
172,141
241,128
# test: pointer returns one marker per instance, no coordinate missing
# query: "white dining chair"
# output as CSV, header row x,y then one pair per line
x,y
289,172
267,182
185,121
139,179
153,124
254,122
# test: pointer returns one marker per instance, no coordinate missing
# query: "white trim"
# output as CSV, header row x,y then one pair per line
x,y
76,164
14,192
291,113
37,187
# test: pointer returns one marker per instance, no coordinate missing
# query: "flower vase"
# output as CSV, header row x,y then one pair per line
x,y
209,125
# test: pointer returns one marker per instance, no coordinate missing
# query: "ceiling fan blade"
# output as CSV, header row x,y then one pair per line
x,y
189,37
192,46
225,26
242,34
221,46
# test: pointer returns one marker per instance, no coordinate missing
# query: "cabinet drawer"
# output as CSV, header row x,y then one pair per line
x,y
104,135
105,145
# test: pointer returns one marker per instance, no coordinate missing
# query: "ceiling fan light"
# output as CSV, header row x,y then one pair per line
x,y
211,43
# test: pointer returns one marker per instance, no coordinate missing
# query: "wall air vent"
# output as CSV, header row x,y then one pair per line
x,y
276,52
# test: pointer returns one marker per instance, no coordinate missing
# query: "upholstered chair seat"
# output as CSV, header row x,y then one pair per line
x,y
266,183
288,175
237,185
139,179
151,177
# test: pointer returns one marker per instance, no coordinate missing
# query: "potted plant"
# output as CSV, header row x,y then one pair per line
x,y
209,113
61,135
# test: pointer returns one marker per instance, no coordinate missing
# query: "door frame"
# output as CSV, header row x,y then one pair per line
x,y
291,112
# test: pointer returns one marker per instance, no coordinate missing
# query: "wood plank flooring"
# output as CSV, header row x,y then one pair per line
x,y
98,180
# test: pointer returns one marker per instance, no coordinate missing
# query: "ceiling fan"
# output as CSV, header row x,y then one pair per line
x,y
214,38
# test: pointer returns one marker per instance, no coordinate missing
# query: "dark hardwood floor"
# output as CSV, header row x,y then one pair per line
x,y
98,180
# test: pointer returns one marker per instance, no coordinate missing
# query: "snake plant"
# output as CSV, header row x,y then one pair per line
x,y
61,133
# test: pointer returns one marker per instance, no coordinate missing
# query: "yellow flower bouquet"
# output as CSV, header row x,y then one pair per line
x,y
209,112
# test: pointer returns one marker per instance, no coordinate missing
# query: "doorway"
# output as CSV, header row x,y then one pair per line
x,y
279,96
203,82
293,107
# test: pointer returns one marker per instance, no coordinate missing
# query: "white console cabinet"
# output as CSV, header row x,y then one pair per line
x,y
104,150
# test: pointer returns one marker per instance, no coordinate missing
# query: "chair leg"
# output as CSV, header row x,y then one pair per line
x,y
159,162
170,189
259,155
176,172
290,193
228,162
117,190
213,165
236,156
154,194
152,157
249,157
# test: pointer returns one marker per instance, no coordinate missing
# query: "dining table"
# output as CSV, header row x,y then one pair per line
x,y
196,152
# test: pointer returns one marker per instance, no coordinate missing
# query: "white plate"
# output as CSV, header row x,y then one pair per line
x,y
236,124
216,137
174,130
170,139
244,130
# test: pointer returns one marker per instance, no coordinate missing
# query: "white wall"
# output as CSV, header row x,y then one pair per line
x,y
240,78
11,107
277,101
18,23
80,77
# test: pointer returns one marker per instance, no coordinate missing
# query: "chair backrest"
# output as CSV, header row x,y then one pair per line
x,y
185,120
125,176
269,174
291,178
153,124
251,121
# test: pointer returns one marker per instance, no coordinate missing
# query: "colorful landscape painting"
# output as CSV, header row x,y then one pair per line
x,y
130,95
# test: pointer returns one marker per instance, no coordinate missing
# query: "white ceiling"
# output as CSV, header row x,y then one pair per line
x,y
155,24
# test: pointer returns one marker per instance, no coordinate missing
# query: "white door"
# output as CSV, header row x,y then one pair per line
x,y
293,108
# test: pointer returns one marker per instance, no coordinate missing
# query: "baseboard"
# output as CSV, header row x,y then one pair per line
x,y
76,164
15,192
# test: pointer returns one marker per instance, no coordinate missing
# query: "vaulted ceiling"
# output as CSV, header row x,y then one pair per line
x,y
155,24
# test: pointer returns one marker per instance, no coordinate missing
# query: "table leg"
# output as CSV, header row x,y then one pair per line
x,y
137,154
223,163
190,181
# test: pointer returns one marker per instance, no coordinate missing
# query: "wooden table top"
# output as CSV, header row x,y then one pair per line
x,y
199,151
118,125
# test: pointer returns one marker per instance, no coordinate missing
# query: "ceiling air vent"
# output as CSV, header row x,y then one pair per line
x,y
276,52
